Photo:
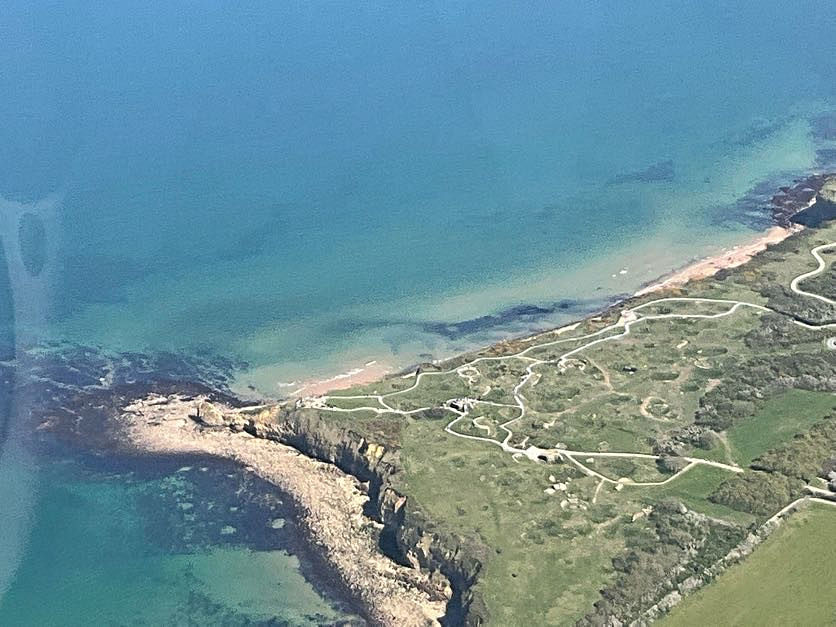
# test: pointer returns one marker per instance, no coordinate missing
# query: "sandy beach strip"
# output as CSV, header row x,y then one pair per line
x,y
730,258
370,372
700,269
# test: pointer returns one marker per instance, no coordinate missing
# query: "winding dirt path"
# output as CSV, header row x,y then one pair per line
x,y
808,275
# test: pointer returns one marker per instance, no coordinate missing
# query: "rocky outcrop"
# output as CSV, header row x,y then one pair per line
x,y
209,415
330,503
798,203
449,564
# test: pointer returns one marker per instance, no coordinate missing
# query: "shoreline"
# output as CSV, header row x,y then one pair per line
x,y
787,202
693,270
724,260
331,503
369,373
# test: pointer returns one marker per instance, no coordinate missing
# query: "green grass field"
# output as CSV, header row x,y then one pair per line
x,y
779,420
786,581
693,489
546,564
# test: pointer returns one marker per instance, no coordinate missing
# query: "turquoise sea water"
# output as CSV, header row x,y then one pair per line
x,y
157,549
311,186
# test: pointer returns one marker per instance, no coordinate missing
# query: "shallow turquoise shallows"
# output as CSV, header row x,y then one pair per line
x,y
309,187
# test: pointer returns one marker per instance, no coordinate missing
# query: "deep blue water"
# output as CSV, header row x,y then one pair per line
x,y
310,186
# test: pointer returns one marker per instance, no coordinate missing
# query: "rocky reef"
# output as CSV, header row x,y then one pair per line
x,y
802,202
387,553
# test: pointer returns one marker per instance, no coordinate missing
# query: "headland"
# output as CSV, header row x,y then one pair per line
x,y
384,473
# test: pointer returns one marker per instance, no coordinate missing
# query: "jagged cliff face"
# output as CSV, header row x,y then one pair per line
x,y
407,535
330,503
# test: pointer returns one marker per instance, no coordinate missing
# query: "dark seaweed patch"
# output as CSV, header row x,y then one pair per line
x,y
662,172
526,314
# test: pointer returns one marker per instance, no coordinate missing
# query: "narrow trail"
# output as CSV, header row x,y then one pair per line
x,y
597,490
611,333
821,492
724,439
808,275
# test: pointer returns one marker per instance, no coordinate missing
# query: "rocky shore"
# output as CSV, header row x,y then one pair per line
x,y
332,502
805,203
384,552
790,202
